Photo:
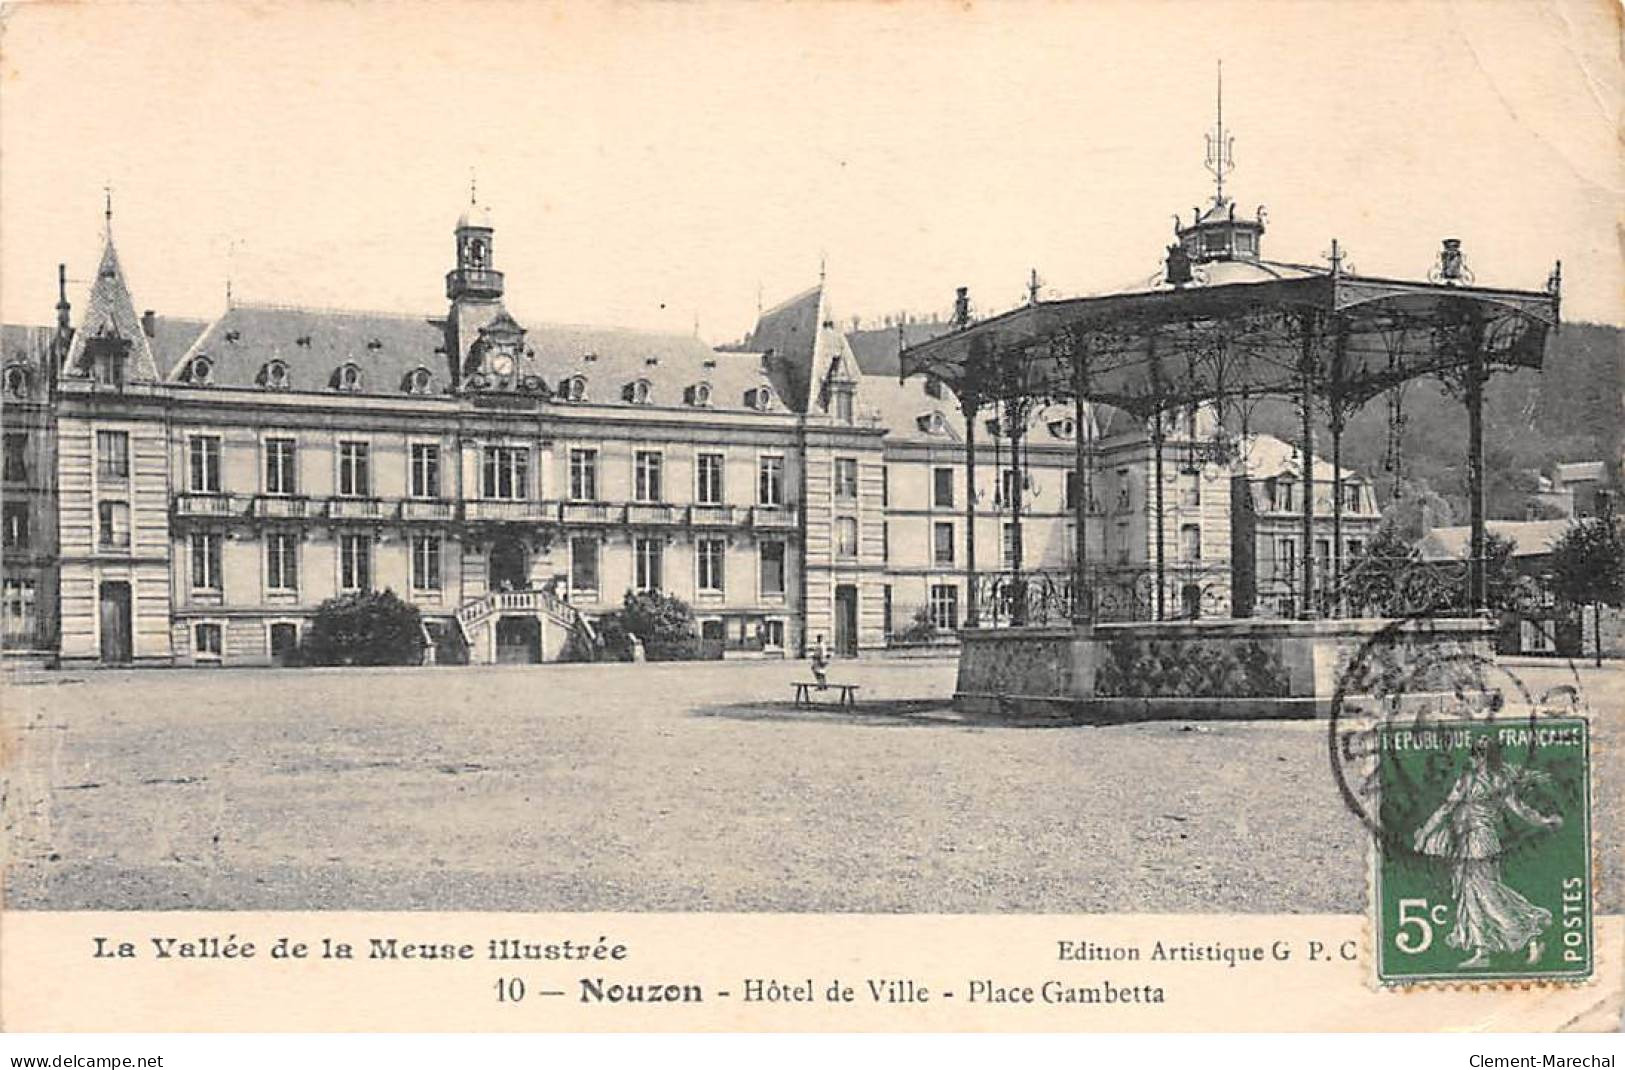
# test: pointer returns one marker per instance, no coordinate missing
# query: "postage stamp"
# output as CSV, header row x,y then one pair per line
x,y
1476,793
1489,875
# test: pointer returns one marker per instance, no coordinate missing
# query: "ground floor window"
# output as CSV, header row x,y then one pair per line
x,y
355,562
710,559
18,608
772,554
945,606
205,561
773,634
282,561
426,563
206,639
584,565
646,554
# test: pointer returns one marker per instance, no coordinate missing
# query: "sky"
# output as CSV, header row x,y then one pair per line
x,y
667,165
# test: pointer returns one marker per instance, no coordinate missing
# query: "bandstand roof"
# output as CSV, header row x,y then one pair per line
x,y
1152,350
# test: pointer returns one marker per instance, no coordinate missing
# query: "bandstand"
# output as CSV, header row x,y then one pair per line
x,y
1222,329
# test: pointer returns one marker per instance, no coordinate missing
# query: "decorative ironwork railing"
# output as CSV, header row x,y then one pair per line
x,y
1114,593
1382,586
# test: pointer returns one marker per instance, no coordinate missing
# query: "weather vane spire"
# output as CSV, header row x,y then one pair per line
x,y
473,187
107,205
1221,158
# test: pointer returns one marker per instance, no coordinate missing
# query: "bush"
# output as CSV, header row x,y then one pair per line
x,y
663,623
366,628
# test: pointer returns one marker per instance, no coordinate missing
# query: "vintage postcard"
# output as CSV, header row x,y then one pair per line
x,y
811,517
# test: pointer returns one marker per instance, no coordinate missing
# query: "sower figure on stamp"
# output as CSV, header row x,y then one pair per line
x,y
820,663
1490,916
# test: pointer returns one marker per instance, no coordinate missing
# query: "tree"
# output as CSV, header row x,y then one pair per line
x,y
365,628
663,623
1588,568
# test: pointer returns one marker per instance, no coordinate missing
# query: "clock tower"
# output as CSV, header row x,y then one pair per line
x,y
485,344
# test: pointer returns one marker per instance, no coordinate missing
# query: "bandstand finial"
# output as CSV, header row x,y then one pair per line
x,y
1220,146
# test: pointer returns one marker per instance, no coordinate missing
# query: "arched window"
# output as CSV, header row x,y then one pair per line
x,y
699,394
637,392
418,381
760,399
348,377
201,370
17,381
274,376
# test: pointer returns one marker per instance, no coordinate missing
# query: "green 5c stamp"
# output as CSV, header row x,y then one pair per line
x,y
1483,857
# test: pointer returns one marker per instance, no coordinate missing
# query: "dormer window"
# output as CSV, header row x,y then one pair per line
x,y
573,389
699,394
1063,428
760,398
932,423
17,381
201,370
933,387
348,377
637,392
274,376
418,381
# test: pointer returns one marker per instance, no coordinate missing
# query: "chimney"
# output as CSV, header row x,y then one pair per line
x,y
62,307
149,323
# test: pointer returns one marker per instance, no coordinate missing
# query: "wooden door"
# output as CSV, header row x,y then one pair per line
x,y
115,623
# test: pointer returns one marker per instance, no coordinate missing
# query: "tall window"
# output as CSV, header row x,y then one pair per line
x,y
942,488
16,525
772,555
1011,536
708,490
646,476
1286,558
114,522
282,561
646,560
942,544
355,470
281,466
1009,486
204,463
506,472
846,477
18,608
843,406
770,481
710,553
1193,489
113,454
846,536
1125,491
945,606
584,564
885,485
425,470
1190,542
583,475
885,541
1351,497
16,463
355,562
1069,492
205,561
425,562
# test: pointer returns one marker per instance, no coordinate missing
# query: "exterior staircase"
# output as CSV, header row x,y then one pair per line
x,y
562,625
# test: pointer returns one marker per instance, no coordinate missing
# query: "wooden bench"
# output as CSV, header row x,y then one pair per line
x,y
848,693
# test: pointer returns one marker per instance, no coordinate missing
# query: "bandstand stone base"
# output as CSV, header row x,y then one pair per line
x,y
1244,669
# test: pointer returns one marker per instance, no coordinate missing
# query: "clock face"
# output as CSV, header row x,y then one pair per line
x,y
502,364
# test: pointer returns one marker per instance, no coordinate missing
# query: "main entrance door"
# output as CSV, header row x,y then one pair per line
x,y
509,566
846,620
284,643
519,641
115,622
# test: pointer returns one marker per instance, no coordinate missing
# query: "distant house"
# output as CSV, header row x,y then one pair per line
x,y
1554,629
1584,483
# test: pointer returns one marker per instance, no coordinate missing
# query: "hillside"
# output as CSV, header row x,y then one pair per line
x,y
1573,409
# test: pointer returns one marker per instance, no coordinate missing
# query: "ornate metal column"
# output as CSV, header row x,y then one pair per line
x,y
968,406
1339,416
1158,436
1306,375
1017,418
1477,580
1082,458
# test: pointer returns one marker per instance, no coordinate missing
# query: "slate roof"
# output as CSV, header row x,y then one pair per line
x,y
1530,538
877,348
110,313
313,344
